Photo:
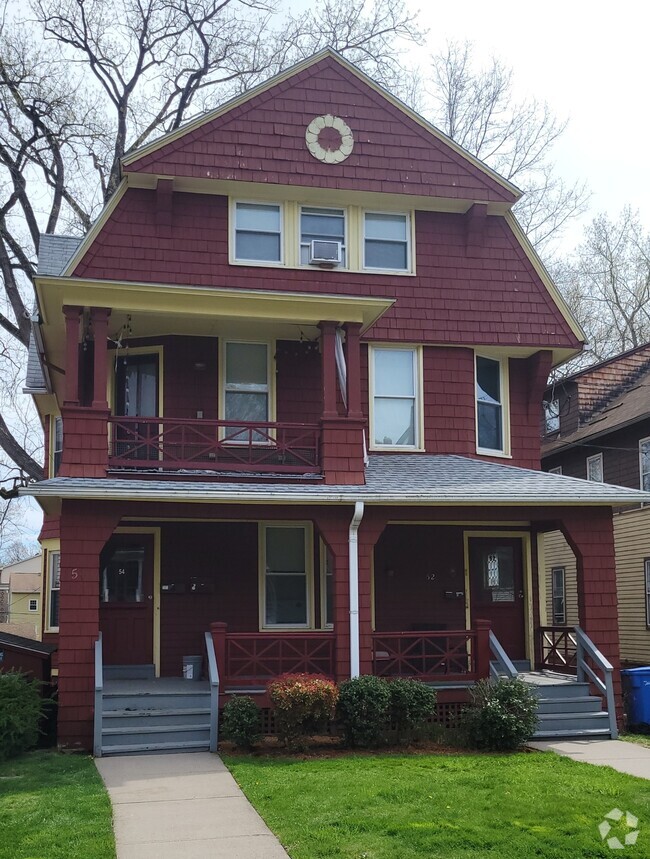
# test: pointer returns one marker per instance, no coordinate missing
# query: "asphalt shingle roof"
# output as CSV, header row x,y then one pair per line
x,y
54,253
34,379
412,479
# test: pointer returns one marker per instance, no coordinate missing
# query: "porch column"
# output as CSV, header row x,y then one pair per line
x,y
328,368
85,528
72,315
590,533
353,362
99,320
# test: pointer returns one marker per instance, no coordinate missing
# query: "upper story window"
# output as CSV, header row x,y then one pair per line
x,y
386,241
246,387
258,232
644,463
556,470
552,416
595,468
491,391
395,397
321,225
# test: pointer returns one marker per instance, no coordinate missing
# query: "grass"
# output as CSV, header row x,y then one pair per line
x,y
639,739
451,806
54,806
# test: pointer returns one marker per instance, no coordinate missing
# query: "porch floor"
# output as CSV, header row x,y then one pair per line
x,y
546,678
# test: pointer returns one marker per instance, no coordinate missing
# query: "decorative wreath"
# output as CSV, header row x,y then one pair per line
x,y
329,139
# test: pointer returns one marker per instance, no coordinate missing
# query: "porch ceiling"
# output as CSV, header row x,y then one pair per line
x,y
399,479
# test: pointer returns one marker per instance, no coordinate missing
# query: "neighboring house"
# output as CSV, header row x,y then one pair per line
x,y
20,598
316,339
597,426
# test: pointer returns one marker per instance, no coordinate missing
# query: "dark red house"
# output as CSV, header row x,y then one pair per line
x,y
304,350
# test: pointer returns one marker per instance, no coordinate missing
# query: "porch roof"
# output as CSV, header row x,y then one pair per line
x,y
390,479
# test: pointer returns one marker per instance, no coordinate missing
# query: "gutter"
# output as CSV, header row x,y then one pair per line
x,y
353,550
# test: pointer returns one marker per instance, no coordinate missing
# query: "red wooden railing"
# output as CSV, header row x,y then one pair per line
x,y
558,648
172,443
450,655
254,658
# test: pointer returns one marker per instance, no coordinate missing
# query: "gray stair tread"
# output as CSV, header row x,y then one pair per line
x,y
153,729
190,745
184,711
557,734
568,716
158,694
575,699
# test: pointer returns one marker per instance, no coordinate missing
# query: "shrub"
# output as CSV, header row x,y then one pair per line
x,y
21,708
303,703
241,721
501,717
411,704
363,710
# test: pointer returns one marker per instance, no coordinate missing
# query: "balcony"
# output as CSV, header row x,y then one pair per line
x,y
174,444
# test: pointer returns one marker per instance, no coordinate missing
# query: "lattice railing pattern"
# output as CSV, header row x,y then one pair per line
x,y
425,655
258,657
558,647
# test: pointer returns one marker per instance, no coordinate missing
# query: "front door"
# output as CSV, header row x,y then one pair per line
x,y
126,600
497,589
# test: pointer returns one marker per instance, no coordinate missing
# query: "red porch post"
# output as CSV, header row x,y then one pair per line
x,y
328,368
590,533
353,362
72,315
99,320
85,528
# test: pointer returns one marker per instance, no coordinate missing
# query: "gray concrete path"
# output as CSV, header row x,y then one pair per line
x,y
625,757
184,805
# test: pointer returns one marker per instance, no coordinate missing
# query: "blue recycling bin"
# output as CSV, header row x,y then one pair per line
x,y
636,683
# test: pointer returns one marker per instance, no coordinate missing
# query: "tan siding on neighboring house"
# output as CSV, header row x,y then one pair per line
x,y
557,553
632,536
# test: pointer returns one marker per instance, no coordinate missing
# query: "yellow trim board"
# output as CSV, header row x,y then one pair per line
x,y
438,135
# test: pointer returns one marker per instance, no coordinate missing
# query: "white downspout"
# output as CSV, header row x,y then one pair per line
x,y
353,547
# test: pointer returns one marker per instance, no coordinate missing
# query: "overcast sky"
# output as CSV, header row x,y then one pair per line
x,y
589,61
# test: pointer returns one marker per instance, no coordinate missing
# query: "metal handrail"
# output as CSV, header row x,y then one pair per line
x,y
213,676
99,691
504,664
584,645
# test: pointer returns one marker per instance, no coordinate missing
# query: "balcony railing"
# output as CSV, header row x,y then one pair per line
x,y
558,648
456,655
172,443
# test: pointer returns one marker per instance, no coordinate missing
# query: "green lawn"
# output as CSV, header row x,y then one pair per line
x,y
639,739
54,806
451,806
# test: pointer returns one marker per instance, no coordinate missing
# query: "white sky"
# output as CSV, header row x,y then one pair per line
x,y
590,62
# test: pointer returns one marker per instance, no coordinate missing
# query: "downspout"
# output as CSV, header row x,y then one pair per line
x,y
353,547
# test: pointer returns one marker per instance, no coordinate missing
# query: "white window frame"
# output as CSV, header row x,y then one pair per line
x,y
409,242
51,553
309,574
646,570
29,605
554,595
504,391
556,470
346,231
552,413
233,232
223,386
418,396
591,460
643,442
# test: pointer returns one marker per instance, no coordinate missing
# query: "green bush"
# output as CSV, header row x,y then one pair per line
x,y
363,710
21,709
411,704
501,717
303,704
240,722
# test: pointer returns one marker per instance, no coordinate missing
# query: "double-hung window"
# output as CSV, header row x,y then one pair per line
x,y
551,417
386,242
321,225
286,587
558,595
33,605
246,389
595,468
57,444
258,232
395,397
54,582
490,405
644,463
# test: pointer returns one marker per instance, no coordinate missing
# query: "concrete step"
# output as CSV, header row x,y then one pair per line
x,y
146,718
155,700
578,704
167,734
155,748
129,672
561,722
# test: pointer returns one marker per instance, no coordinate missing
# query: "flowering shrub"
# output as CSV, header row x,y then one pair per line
x,y
302,703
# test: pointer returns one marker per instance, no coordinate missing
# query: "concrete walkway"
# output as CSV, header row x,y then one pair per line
x,y
184,805
625,757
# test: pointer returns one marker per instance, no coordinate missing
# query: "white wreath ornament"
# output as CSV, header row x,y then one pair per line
x,y
326,155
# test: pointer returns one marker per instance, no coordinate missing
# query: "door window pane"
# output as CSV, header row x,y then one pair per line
x,y
386,241
499,574
489,409
326,224
285,577
394,397
121,579
258,232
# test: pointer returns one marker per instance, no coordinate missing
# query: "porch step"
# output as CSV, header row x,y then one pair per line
x,y
521,664
145,718
577,704
573,733
560,691
155,700
572,722
155,748
150,735
129,672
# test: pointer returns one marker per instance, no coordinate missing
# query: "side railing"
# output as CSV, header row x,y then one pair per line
x,y
558,649
586,672
99,692
500,665
213,677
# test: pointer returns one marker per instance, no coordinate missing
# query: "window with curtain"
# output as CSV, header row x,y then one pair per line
x,y
395,413
489,404
246,388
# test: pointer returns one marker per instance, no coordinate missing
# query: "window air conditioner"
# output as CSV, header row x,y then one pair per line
x,y
323,252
